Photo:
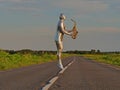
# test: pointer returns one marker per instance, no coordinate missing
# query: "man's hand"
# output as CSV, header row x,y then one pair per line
x,y
70,31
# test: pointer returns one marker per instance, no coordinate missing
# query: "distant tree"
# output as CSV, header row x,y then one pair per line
x,y
98,52
93,51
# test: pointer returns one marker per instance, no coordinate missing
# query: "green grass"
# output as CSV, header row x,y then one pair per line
x,y
113,59
17,60
10,61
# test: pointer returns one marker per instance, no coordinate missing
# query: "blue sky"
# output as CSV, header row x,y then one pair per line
x,y
31,24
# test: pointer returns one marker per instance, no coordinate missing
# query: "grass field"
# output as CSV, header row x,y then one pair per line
x,y
113,59
10,61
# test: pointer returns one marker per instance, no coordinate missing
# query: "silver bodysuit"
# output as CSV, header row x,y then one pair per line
x,y
59,38
60,31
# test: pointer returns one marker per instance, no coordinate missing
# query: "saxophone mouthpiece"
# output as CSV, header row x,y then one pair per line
x,y
73,21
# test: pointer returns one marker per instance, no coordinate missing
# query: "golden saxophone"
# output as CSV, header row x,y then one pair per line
x,y
74,29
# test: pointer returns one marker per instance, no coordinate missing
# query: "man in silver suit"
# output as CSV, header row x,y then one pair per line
x,y
59,38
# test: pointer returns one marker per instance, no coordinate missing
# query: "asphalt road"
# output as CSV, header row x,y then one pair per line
x,y
82,74
29,78
85,74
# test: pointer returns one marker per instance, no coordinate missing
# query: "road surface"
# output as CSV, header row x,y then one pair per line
x,y
85,74
29,78
82,74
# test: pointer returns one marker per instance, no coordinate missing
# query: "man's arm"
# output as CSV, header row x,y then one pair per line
x,y
64,31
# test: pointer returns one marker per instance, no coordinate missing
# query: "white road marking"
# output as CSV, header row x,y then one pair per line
x,y
47,86
66,67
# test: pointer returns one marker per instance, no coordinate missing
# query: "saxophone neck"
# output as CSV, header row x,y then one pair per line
x,y
73,21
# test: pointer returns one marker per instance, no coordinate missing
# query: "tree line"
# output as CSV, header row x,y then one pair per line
x,y
39,52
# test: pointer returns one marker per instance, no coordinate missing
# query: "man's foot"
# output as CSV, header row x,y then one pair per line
x,y
60,66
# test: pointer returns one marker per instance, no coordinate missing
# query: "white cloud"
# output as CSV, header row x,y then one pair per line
x,y
16,0
23,5
108,20
23,8
81,6
77,6
118,7
101,29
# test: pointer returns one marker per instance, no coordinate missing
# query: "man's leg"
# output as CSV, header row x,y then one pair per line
x,y
59,52
59,59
